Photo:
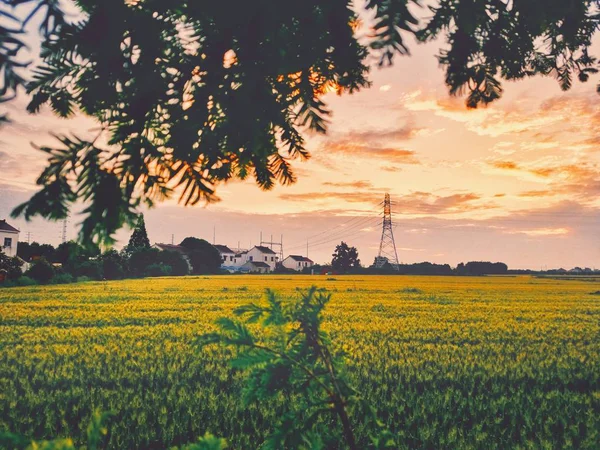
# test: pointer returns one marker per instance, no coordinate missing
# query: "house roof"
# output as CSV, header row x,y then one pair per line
x,y
223,249
6,227
171,248
300,258
258,264
264,249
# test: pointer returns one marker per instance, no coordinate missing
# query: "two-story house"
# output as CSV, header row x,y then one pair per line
x,y
259,253
231,259
9,238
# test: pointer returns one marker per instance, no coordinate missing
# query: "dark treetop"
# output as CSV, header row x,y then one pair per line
x,y
189,94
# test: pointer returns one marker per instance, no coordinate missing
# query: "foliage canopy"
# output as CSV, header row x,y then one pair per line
x,y
139,237
191,94
345,258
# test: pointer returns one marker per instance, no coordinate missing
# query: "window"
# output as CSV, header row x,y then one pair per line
x,y
272,259
266,258
8,242
231,258
250,258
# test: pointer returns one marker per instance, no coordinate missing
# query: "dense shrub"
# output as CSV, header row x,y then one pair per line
x,y
481,268
91,269
113,265
176,261
141,259
41,271
62,278
12,266
158,270
25,281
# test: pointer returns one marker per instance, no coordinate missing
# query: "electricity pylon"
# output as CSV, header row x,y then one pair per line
x,y
387,247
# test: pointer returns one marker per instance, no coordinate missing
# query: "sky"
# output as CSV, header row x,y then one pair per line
x,y
518,181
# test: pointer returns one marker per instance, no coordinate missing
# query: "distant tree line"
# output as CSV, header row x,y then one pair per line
x,y
70,261
473,268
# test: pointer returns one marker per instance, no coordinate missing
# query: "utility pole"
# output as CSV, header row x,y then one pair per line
x,y
387,246
172,239
29,237
64,229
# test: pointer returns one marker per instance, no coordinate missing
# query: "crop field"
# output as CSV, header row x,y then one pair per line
x,y
449,362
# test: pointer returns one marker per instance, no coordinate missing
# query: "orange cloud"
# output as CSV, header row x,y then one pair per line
x,y
359,150
536,194
414,203
351,184
541,232
507,165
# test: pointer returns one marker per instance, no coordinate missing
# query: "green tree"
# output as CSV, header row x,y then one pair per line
x,y
114,265
41,271
12,40
158,270
27,251
179,265
345,258
141,259
171,84
193,243
139,237
204,258
73,256
12,266
91,269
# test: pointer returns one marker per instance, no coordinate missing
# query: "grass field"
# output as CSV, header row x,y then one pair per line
x,y
450,362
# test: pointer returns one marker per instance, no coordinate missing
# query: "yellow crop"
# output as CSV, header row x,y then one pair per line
x,y
449,362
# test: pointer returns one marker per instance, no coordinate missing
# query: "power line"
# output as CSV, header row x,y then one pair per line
x,y
335,228
343,236
340,233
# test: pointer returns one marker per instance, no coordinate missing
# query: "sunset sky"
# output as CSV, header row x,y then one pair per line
x,y
517,182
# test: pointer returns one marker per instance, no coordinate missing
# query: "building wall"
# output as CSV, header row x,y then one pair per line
x,y
233,260
5,236
248,267
255,254
292,264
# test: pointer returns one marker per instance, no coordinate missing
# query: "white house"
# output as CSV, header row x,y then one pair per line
x,y
9,238
297,262
255,267
259,253
231,260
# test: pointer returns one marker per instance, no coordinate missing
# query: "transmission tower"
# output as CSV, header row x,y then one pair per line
x,y
387,247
